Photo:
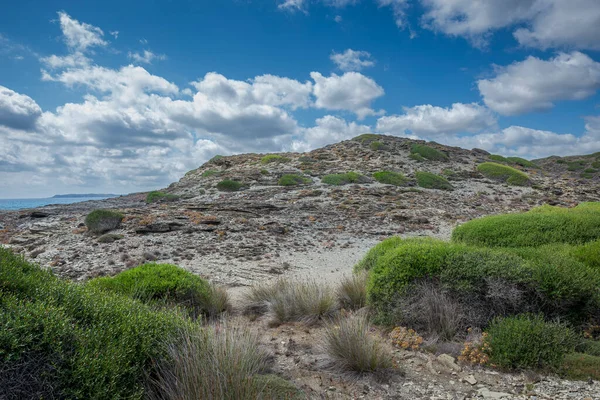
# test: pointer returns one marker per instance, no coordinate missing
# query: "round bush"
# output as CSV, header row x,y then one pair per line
x,y
157,196
292,180
390,178
542,225
343,179
229,186
527,341
428,152
100,221
504,173
432,181
273,158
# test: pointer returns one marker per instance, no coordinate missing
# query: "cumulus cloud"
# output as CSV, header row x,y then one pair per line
x,y
76,59
17,110
429,121
328,130
292,5
145,57
352,60
548,23
80,36
351,91
398,9
535,84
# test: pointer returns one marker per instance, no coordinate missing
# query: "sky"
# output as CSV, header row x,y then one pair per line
x,y
126,96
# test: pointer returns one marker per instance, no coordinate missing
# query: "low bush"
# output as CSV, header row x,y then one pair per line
x,y
366,137
352,291
351,345
580,366
528,341
576,165
158,196
71,341
286,301
416,157
390,178
542,225
209,172
223,362
588,253
377,146
100,221
168,284
498,158
522,162
273,158
373,255
428,153
343,179
292,180
432,181
228,185
503,173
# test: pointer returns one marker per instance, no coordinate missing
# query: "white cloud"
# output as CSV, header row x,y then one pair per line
x,y
351,91
80,36
17,111
328,130
535,84
145,57
292,5
352,60
114,34
76,59
549,23
431,122
398,9
338,19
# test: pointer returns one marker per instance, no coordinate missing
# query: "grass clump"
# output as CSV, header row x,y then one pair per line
x,y
542,225
228,185
292,180
498,158
287,301
343,179
158,196
166,284
209,172
428,153
377,146
223,362
273,158
432,181
503,173
366,137
528,341
351,345
579,366
390,178
416,157
100,221
352,291
64,340
522,162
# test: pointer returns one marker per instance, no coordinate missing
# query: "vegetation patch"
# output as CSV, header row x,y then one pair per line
x,y
343,179
100,221
352,291
293,180
503,173
228,185
390,178
498,158
432,181
579,366
158,196
522,162
576,165
539,226
209,172
273,158
366,137
377,146
109,238
164,284
416,157
528,341
428,153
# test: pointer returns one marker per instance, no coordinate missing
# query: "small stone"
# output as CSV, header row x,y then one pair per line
x,y
470,380
488,394
448,361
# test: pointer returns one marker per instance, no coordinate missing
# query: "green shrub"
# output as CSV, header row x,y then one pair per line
x,y
448,172
370,259
109,238
350,343
264,172
157,196
416,157
576,165
579,366
596,164
428,152
376,146
590,170
522,162
588,253
432,181
100,221
228,185
366,137
164,283
72,341
343,179
273,158
589,347
292,180
499,158
503,173
561,161
527,341
390,178
543,225
209,172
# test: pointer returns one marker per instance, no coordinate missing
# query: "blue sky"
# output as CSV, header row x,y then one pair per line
x,y
127,96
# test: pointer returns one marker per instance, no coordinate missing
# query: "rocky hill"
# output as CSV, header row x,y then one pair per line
x,y
264,225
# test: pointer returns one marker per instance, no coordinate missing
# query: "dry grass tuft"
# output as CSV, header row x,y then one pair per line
x,y
349,342
352,291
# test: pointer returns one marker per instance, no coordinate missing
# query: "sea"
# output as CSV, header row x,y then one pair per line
x,y
17,204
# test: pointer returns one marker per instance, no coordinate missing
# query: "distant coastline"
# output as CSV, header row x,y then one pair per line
x,y
87,195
